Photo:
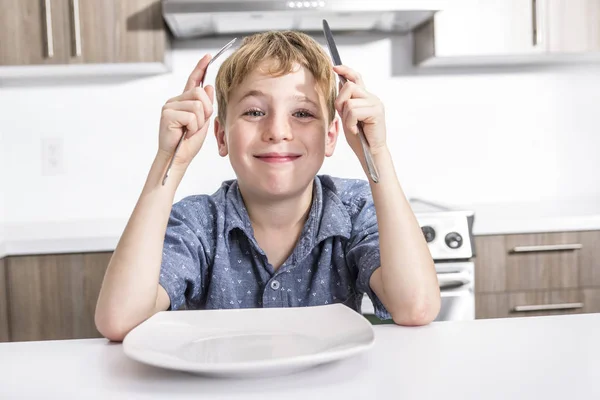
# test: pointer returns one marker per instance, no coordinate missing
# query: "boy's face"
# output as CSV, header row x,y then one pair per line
x,y
277,132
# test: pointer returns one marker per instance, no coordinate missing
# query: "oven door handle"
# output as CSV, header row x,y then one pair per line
x,y
453,279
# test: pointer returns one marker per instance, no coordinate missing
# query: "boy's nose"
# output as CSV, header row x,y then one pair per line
x,y
277,129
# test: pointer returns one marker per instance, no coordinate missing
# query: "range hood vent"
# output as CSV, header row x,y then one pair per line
x,y
198,18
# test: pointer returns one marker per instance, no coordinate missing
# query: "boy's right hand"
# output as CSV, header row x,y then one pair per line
x,y
192,110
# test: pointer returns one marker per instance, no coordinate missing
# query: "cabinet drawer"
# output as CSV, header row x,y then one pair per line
x,y
4,330
533,303
542,261
589,273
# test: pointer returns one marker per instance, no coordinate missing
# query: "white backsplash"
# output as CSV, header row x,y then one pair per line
x,y
456,138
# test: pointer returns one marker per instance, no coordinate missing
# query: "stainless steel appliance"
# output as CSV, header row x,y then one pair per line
x,y
449,235
200,18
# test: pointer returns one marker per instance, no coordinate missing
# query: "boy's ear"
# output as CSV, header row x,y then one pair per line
x,y
332,135
220,136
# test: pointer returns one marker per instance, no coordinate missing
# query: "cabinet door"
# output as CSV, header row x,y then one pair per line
x,y
33,32
572,26
93,31
490,264
142,33
591,300
589,274
535,303
4,330
489,27
542,261
53,296
114,31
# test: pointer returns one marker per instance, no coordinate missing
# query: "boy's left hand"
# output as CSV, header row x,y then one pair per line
x,y
354,103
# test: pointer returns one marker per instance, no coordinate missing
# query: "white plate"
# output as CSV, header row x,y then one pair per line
x,y
249,342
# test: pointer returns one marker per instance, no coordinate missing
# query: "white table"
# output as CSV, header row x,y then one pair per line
x,y
525,358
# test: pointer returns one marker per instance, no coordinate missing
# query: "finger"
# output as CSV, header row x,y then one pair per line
x,y
198,73
197,93
355,113
210,91
350,74
178,119
349,91
193,106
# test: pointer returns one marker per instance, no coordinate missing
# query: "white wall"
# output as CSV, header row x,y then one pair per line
x,y
457,138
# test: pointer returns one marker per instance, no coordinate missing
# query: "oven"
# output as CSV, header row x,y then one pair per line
x,y
449,236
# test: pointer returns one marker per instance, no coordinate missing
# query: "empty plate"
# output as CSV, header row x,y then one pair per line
x,y
249,342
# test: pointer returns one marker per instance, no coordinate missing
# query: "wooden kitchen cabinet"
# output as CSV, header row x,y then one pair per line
x,y
82,32
529,303
532,263
54,296
4,331
589,274
557,272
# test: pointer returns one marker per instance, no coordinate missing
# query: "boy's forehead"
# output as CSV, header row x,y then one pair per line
x,y
298,81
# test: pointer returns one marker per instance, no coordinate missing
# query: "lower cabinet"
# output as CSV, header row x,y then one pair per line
x,y
53,297
536,303
4,331
537,274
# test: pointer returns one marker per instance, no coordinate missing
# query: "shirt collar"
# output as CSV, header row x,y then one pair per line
x,y
328,215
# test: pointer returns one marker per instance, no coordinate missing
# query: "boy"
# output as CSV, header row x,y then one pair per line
x,y
279,235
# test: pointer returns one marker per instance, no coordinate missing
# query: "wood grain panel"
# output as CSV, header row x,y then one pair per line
x,y
545,269
54,296
23,35
490,264
141,30
4,327
591,300
491,305
554,297
589,259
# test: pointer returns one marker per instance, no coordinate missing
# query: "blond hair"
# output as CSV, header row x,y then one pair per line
x,y
284,48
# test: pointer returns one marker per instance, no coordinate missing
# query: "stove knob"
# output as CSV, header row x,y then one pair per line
x,y
429,233
454,240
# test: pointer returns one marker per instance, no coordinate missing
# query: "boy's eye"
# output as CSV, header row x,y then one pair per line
x,y
303,114
254,113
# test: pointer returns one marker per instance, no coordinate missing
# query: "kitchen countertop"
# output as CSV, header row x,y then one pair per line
x,y
61,237
515,358
578,214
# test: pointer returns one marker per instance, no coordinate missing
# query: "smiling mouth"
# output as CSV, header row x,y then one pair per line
x,y
277,158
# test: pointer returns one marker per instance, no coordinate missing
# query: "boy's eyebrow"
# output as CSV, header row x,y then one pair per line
x,y
298,97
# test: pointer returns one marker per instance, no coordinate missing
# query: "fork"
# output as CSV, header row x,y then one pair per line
x,y
223,49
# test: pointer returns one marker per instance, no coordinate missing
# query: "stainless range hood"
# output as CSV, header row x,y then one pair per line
x,y
197,18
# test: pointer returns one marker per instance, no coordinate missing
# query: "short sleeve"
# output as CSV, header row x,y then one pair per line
x,y
183,259
363,249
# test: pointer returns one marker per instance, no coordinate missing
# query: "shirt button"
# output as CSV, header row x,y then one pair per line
x,y
275,285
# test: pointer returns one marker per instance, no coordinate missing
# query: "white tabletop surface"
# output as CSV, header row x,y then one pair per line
x,y
521,358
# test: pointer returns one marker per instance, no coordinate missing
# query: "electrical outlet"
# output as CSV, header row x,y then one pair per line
x,y
52,156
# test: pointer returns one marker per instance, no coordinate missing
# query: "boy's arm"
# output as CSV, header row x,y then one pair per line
x,y
406,283
130,291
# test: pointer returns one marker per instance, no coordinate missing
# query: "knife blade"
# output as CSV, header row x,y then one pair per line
x,y
335,55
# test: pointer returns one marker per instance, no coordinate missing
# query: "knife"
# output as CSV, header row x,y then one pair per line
x,y
361,134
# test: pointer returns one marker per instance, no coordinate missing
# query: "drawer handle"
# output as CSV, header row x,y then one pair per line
x,y
548,307
548,247
76,27
49,37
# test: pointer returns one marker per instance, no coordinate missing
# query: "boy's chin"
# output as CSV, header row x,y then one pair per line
x,y
278,187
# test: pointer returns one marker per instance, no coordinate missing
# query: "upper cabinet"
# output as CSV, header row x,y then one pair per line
x,y
507,31
66,32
